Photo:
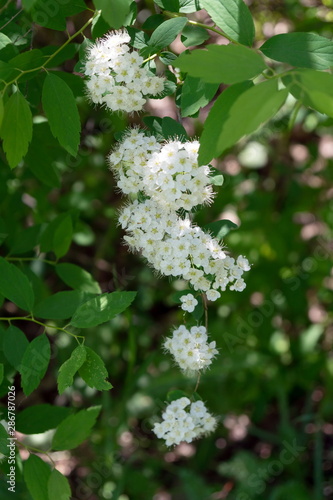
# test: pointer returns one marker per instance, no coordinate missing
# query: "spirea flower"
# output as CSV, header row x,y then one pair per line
x,y
184,421
170,182
190,348
116,75
167,173
188,302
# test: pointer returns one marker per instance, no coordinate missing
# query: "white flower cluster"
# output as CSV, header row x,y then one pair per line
x,y
169,177
184,421
116,76
191,349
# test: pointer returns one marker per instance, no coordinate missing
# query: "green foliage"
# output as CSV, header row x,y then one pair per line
x,y
34,363
114,13
14,345
58,486
15,286
234,17
194,35
75,429
16,128
93,371
70,367
196,93
245,110
58,101
61,305
3,440
36,474
219,229
77,278
166,33
307,50
57,236
40,418
222,63
313,88
96,311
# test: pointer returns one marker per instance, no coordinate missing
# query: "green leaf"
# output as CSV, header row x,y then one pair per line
x,y
77,278
43,152
2,110
215,176
233,17
167,57
194,35
152,22
221,63
70,367
15,286
167,32
75,429
93,371
40,418
58,486
196,94
175,394
15,344
34,363
36,474
59,102
220,228
185,6
139,39
198,311
30,60
101,309
1,373
63,237
154,123
16,129
313,88
171,5
307,50
114,12
53,14
61,305
51,238
28,4
3,441
171,129
26,240
237,112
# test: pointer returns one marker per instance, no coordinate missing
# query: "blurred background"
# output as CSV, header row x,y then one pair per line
x,y
272,384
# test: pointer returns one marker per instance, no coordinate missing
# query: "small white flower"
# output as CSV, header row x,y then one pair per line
x,y
189,302
213,295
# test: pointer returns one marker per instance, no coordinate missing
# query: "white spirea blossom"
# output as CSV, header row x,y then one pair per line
x,y
191,349
116,75
170,180
184,421
188,302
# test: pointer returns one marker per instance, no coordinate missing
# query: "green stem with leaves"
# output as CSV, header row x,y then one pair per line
x,y
202,25
33,320
52,56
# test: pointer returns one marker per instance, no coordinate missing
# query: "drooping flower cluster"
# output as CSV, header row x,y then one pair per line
x,y
116,74
169,178
190,348
184,421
